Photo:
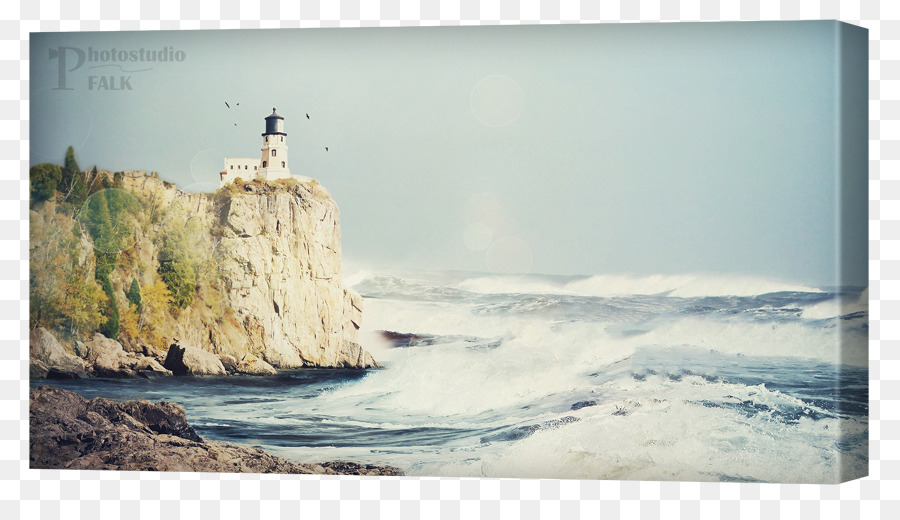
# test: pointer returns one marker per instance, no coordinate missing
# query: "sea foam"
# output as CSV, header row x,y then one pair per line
x,y
682,285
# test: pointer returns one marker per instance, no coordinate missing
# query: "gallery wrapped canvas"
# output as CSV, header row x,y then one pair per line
x,y
633,252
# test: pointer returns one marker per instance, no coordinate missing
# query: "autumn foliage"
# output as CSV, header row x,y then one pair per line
x,y
85,273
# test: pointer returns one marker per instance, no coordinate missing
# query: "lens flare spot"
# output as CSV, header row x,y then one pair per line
x,y
497,100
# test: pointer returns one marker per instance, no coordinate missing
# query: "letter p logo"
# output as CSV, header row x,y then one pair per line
x,y
60,53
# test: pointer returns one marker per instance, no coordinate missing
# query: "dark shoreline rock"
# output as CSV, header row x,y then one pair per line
x,y
192,361
69,432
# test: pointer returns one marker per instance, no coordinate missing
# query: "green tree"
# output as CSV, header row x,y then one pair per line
x,y
44,179
112,217
73,185
134,294
83,303
180,278
70,165
176,267
109,218
105,264
93,180
98,222
110,328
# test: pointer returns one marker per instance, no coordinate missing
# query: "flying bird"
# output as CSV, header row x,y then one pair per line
x,y
227,105
307,116
326,148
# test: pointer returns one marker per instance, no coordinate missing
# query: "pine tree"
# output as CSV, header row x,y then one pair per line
x,y
176,268
134,294
71,165
96,218
44,179
110,328
111,217
72,184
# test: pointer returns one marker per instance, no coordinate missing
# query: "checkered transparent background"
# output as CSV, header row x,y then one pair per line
x,y
26,493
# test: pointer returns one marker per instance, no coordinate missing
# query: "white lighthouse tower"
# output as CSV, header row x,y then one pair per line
x,y
274,163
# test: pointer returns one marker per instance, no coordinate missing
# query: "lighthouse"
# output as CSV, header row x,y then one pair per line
x,y
274,162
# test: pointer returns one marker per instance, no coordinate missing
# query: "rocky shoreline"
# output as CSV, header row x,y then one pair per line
x,y
104,357
68,431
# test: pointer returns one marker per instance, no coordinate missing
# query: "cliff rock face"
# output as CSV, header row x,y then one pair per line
x,y
282,272
277,251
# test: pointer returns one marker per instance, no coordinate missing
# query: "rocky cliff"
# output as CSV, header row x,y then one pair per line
x,y
262,270
276,249
281,269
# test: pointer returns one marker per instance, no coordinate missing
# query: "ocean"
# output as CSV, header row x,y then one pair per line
x,y
692,378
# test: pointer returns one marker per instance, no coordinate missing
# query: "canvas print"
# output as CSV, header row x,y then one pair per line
x,y
631,252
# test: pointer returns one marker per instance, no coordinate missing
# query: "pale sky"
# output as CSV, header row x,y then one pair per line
x,y
576,149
